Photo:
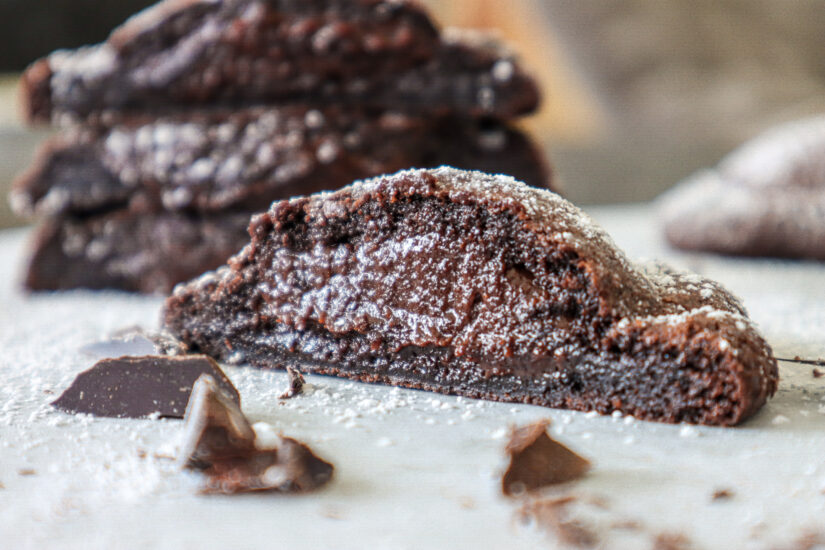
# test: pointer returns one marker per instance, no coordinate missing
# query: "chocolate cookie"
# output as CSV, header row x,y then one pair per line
x,y
132,250
765,199
245,160
476,285
179,54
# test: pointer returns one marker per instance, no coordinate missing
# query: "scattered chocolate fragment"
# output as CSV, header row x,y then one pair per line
x,y
137,387
537,461
216,428
296,383
818,373
221,443
722,494
551,515
671,541
27,472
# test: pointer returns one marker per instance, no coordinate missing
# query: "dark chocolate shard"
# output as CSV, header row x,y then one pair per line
x,y
220,442
477,285
186,53
766,199
296,383
552,516
216,429
291,468
537,461
138,387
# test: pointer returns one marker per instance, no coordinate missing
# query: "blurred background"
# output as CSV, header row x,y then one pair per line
x,y
639,93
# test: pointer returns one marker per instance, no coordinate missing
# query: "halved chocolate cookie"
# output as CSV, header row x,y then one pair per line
x,y
386,54
476,285
220,160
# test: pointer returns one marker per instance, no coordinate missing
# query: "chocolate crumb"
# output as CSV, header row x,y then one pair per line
x,y
27,472
139,387
722,494
537,461
671,541
552,516
221,443
818,373
141,453
2,486
296,383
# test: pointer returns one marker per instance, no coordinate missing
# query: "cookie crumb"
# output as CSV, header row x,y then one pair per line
x,y
296,383
722,494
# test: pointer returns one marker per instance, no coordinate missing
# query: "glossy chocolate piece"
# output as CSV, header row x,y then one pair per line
x,y
296,383
220,442
538,461
138,387
476,285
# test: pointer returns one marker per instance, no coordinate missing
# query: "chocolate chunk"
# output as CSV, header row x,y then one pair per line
x,y
296,383
137,387
477,285
183,55
552,516
291,468
220,442
216,429
538,461
722,494
767,198
817,373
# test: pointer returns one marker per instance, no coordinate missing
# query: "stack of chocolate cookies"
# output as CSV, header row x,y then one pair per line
x,y
196,114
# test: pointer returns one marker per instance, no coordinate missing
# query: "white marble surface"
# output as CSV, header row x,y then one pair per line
x,y
414,470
